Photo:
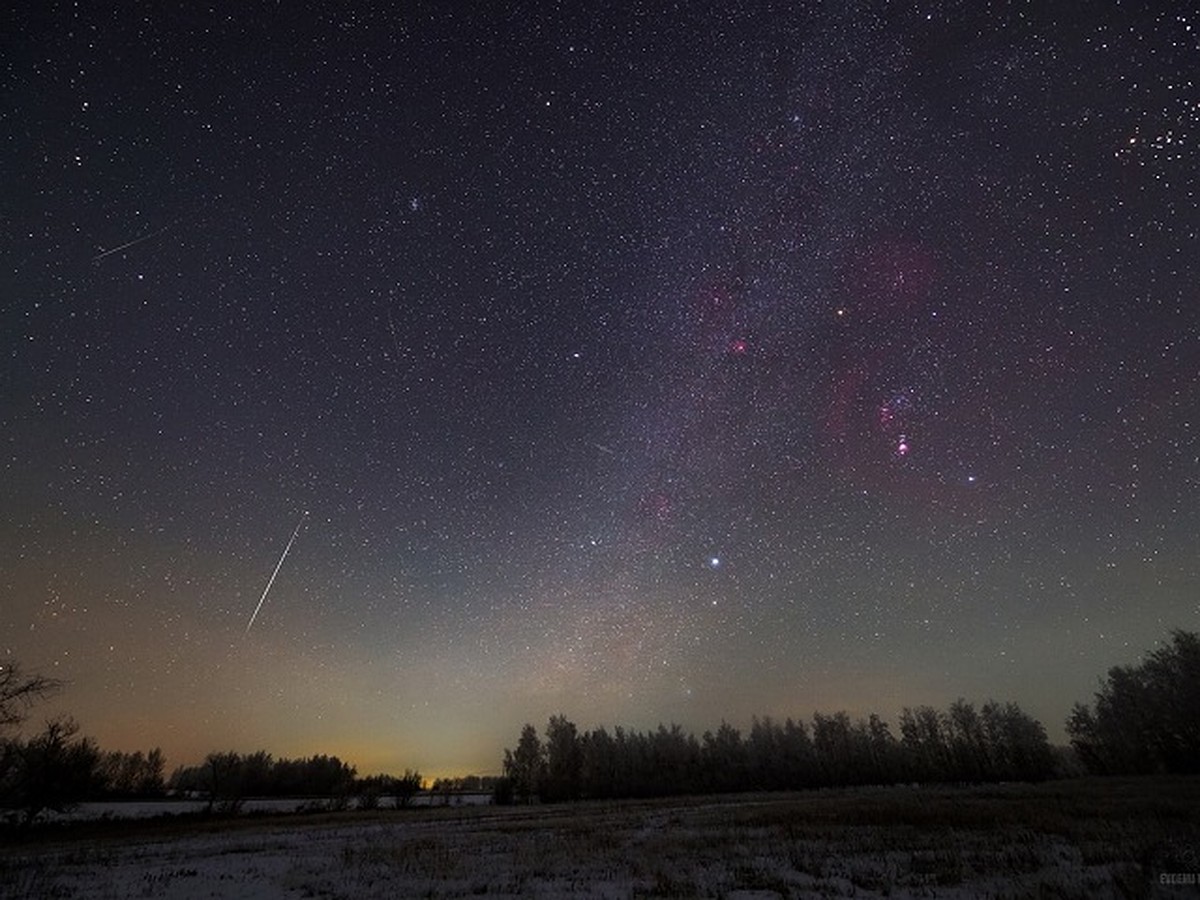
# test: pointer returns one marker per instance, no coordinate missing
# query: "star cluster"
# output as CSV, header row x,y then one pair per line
x,y
660,362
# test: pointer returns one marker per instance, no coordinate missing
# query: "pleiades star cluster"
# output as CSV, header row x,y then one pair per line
x,y
644,362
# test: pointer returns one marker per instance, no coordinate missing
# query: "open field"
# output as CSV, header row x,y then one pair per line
x,y
1086,838
143,809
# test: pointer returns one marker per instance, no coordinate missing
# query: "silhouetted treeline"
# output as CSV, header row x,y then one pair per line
x,y
996,742
1146,718
56,769
49,772
369,791
225,779
465,784
131,776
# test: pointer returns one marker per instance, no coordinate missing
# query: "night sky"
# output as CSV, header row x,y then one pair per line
x,y
638,361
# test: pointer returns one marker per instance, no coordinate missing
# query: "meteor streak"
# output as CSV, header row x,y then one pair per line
x,y
128,244
278,566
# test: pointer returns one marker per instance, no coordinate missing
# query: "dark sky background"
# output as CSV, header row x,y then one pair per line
x,y
639,361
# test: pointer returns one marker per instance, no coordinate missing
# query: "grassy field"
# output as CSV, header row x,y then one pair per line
x,y
1085,838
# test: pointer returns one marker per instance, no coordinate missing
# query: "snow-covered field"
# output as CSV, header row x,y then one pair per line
x,y
144,809
1000,842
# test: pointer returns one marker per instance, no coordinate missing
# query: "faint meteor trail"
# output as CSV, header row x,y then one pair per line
x,y
127,244
392,329
278,566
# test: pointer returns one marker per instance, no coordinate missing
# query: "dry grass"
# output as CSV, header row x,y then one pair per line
x,y
1085,838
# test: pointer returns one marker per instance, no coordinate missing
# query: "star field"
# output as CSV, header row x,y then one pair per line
x,y
660,362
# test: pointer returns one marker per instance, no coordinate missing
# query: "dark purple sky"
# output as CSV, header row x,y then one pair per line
x,y
649,362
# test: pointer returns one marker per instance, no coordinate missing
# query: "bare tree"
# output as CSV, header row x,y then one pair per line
x,y
19,759
224,781
52,771
406,787
19,691
131,774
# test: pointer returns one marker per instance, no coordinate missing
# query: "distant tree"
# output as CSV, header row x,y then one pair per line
x,y
223,782
369,790
52,771
526,765
1087,742
1146,717
502,791
258,774
150,783
922,738
884,752
442,789
765,754
225,779
675,761
564,761
598,764
967,743
997,742
724,759
186,780
832,741
328,776
799,758
130,775
406,787
1025,746
469,784
632,754
367,798
113,774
